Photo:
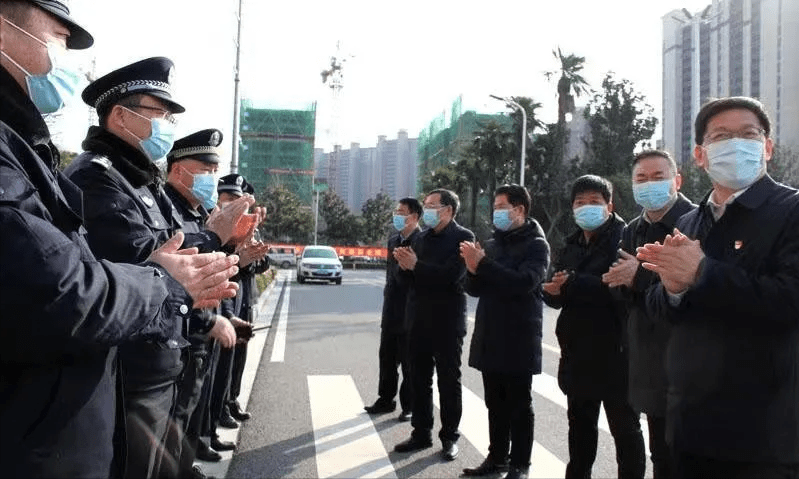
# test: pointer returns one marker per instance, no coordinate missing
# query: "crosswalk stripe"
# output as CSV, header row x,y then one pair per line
x,y
474,426
346,441
279,346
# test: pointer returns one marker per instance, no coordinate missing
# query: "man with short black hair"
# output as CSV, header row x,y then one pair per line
x,y
729,286
506,342
64,311
656,185
393,330
593,362
436,315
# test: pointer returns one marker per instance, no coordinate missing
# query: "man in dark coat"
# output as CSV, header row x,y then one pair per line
x,y
730,288
506,342
64,311
656,184
593,363
128,215
393,333
436,312
191,187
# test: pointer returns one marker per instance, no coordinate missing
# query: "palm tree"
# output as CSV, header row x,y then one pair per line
x,y
571,83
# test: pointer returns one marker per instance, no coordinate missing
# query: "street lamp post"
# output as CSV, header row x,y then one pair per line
x,y
512,103
316,217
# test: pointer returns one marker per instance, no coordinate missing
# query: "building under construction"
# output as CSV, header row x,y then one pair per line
x,y
277,148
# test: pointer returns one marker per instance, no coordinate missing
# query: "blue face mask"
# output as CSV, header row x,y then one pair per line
x,y
430,217
735,163
590,217
653,195
502,220
49,92
204,189
399,222
161,139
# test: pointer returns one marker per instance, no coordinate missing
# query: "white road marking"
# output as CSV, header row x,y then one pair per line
x,y
347,444
474,427
279,346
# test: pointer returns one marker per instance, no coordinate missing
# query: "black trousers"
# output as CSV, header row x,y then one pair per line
x,y
239,361
624,426
393,353
220,393
659,448
442,352
180,440
509,399
147,414
689,466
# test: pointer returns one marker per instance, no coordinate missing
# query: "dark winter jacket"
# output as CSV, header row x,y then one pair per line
x,y
437,301
395,293
62,311
647,337
593,362
733,356
507,329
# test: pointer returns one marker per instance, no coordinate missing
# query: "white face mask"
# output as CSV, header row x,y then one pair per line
x,y
735,163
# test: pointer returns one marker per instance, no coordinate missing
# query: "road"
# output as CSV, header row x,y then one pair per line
x,y
318,368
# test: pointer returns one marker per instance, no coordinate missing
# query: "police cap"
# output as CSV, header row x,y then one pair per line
x,y
232,183
152,76
79,38
201,146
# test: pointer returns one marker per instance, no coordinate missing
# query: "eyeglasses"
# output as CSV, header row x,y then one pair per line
x,y
747,134
433,207
164,114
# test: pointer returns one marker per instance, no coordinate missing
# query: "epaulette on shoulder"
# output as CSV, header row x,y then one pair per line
x,y
103,161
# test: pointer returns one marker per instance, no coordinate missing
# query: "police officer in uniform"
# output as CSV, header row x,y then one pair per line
x,y
64,311
191,186
128,215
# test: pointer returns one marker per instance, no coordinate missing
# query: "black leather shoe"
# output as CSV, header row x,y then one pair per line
x,y
449,451
381,406
205,453
517,473
222,445
487,467
405,416
196,473
413,444
226,420
237,413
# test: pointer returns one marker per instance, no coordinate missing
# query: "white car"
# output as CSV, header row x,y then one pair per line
x,y
284,257
319,262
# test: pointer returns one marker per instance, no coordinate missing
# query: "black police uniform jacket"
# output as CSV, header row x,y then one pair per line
x,y
63,310
593,361
395,292
244,303
647,337
507,328
733,356
128,216
436,298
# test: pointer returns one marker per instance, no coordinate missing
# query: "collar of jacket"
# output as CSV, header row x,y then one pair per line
x,y
528,228
128,160
669,220
755,196
450,226
18,112
180,201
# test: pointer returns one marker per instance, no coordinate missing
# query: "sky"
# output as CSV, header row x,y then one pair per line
x,y
405,61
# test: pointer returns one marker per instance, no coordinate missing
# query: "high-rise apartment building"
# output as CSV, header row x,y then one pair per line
x,y
357,174
731,48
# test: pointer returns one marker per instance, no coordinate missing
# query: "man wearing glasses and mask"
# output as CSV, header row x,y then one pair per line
x,y
730,288
128,215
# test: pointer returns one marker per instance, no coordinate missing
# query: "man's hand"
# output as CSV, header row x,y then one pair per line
x,y
223,332
622,273
252,251
223,221
558,280
204,276
676,261
243,329
472,254
406,257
